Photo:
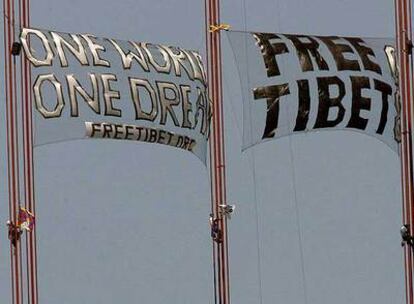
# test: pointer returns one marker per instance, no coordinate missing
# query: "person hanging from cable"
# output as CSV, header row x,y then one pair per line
x,y
216,233
14,232
406,237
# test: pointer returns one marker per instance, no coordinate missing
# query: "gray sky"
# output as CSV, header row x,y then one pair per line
x,y
129,221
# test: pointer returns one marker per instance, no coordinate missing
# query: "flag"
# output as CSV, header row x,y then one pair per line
x,y
26,219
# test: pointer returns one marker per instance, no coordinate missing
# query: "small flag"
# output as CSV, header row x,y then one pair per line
x,y
26,219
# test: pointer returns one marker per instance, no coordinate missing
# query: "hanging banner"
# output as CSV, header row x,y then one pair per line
x,y
300,83
89,87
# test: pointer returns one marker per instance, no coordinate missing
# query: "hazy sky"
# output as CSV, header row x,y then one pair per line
x,y
317,218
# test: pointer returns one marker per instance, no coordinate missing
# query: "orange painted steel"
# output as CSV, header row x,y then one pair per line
x,y
217,149
403,38
10,75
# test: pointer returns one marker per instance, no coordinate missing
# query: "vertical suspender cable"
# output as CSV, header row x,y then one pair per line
x,y
32,206
403,34
409,64
28,123
217,150
403,143
13,127
23,99
16,110
17,157
214,247
6,22
409,89
26,105
12,144
14,147
23,103
404,178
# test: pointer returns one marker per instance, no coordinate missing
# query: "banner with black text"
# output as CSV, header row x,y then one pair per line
x,y
300,83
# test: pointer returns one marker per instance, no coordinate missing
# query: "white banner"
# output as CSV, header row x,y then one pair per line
x,y
85,86
299,83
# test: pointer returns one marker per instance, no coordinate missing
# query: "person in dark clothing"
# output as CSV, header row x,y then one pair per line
x,y
14,232
216,234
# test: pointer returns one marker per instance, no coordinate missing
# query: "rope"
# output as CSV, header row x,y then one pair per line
x,y
256,216
292,161
297,215
253,165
